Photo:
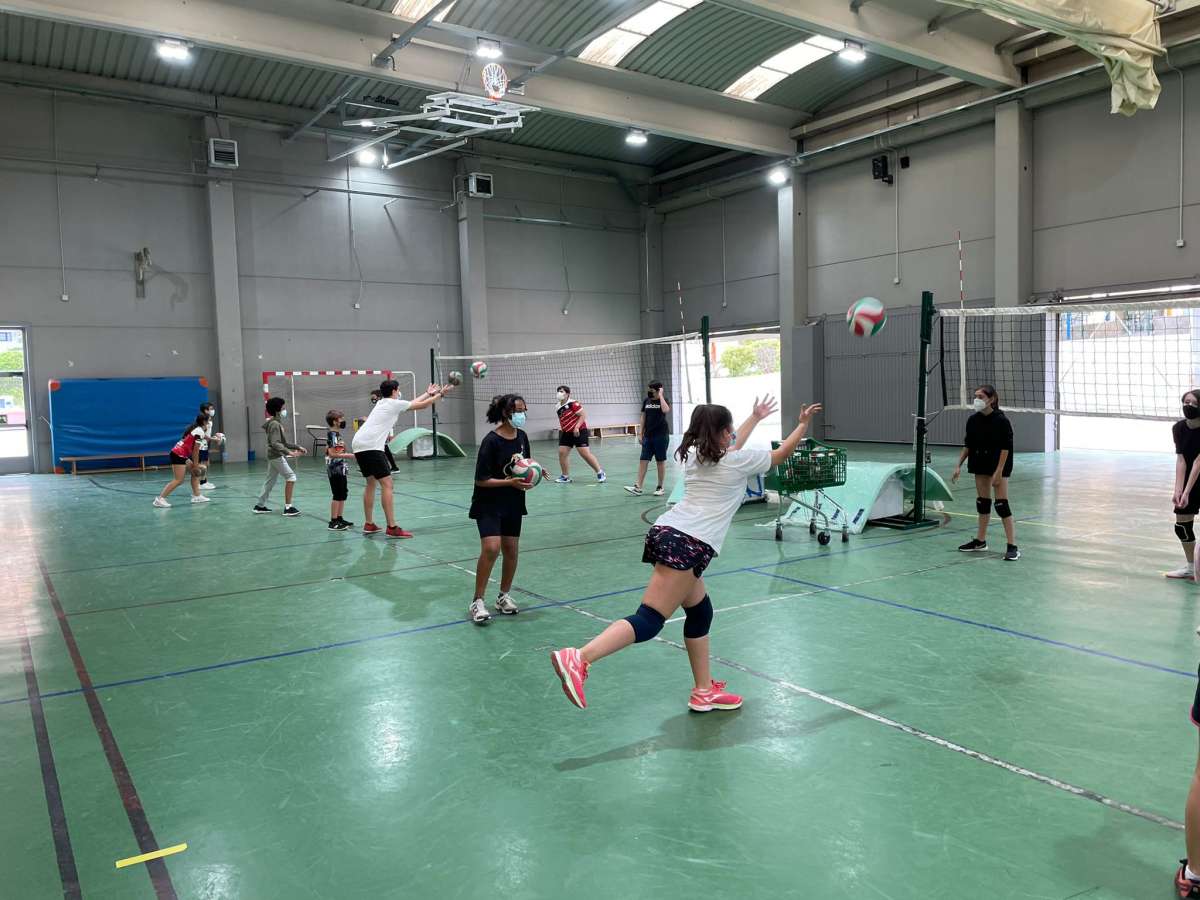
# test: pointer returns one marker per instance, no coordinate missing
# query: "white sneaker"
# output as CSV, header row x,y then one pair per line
x,y
562,479
601,477
658,491
477,612
200,498
506,605
634,489
208,486
1181,572
161,503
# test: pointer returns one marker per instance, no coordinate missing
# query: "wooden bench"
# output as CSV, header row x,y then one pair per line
x,y
139,455
600,432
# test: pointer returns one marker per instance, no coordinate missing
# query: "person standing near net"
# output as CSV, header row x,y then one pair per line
x,y
988,451
498,503
1186,496
656,437
368,446
573,433
279,450
681,544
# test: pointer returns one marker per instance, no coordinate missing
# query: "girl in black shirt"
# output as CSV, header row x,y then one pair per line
x,y
499,503
1186,495
988,450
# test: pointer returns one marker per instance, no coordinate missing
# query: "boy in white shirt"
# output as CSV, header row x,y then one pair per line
x,y
368,446
681,544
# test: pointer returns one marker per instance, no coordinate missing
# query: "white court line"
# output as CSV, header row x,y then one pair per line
x,y
945,744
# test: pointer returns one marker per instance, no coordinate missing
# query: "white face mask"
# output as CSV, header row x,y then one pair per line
x,y
283,414
979,404
212,414
561,396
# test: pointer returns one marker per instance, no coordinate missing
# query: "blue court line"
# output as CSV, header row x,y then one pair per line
x,y
1079,648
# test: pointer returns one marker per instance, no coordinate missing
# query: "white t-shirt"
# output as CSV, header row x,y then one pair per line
x,y
373,433
713,493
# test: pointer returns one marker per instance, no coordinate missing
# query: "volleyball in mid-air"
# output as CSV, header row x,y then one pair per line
x,y
479,368
528,470
454,379
866,317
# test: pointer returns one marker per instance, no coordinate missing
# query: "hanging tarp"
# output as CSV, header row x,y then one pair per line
x,y
1122,33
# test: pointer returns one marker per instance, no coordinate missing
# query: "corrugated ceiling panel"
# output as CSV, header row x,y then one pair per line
x,y
710,46
818,85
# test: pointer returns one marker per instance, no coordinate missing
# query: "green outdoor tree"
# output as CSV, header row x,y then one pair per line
x,y
12,361
758,357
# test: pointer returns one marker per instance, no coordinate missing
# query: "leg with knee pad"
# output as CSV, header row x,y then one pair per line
x,y
697,619
1185,532
1002,509
646,622
983,506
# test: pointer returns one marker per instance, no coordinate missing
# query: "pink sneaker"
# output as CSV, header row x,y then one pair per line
x,y
573,670
716,697
371,528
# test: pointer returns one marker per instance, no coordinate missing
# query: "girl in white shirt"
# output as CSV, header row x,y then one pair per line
x,y
683,542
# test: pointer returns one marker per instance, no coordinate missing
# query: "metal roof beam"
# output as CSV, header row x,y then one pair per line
x,y
892,32
332,35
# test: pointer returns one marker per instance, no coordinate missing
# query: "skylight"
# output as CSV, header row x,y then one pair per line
x,y
614,45
414,9
765,76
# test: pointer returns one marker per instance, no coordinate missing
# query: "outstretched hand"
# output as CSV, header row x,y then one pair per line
x,y
807,412
764,407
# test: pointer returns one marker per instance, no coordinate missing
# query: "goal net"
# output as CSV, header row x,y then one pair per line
x,y
1119,360
311,394
609,379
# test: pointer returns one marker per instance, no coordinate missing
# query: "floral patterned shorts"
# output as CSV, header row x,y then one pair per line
x,y
676,550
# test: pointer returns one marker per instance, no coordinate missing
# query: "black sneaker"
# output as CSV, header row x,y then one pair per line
x,y
334,525
974,545
1013,553
345,524
291,511
259,510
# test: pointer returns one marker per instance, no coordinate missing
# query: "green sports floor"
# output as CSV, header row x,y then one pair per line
x,y
309,712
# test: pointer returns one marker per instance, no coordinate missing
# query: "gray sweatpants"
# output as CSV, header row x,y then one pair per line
x,y
275,467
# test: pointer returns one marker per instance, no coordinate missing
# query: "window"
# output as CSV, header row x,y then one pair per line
x,y
614,45
787,62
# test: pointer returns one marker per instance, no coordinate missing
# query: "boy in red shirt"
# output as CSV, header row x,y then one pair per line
x,y
573,432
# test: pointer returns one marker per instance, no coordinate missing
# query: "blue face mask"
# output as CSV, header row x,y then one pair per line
x,y
518,419
732,438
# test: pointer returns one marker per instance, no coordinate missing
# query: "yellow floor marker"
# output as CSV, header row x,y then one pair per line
x,y
146,857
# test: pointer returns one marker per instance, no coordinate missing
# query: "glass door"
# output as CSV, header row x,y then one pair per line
x,y
16,453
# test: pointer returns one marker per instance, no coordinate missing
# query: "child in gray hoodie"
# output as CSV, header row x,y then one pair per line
x,y
279,450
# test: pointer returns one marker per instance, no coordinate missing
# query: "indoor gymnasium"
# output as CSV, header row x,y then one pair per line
x,y
733,449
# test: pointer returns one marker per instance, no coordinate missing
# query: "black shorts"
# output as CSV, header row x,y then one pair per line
x,y
177,460
567,439
498,525
1196,706
373,464
340,487
985,464
676,550
203,456
655,447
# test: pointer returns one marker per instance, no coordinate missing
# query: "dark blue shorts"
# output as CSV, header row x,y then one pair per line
x,y
655,447
494,524
676,550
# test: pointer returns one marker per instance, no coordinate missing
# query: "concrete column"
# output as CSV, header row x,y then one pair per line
x,y
650,258
472,263
227,301
1014,278
801,351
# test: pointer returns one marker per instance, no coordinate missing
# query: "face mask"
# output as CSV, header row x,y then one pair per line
x,y
980,405
518,419
561,396
283,414
732,438
211,413
341,424
1191,412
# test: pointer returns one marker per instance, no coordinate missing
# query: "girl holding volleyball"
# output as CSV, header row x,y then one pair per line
x,y
681,544
988,451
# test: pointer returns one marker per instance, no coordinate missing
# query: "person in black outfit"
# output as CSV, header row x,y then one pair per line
x,y
499,503
988,450
656,436
1186,496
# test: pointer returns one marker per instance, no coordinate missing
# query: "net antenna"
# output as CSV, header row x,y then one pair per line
x,y
311,393
1128,360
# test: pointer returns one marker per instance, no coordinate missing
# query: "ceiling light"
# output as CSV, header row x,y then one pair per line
x,y
485,48
636,137
778,175
367,157
172,50
852,52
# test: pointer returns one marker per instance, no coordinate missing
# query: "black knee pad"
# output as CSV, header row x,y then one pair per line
x,y
646,622
1002,509
697,619
983,505
1185,532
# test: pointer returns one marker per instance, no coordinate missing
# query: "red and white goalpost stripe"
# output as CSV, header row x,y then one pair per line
x,y
267,376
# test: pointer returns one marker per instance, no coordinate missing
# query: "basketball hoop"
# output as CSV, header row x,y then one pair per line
x,y
495,80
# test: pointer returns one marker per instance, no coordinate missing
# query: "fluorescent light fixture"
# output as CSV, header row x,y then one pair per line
x,y
367,157
787,62
778,175
615,44
1139,292
415,9
852,52
486,48
172,50
636,137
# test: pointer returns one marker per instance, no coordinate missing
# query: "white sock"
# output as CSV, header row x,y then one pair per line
x,y
1189,874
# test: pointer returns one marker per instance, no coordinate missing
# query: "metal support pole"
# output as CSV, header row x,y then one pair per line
x,y
918,512
433,378
704,339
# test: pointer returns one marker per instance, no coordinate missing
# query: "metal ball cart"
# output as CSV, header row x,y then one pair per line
x,y
810,469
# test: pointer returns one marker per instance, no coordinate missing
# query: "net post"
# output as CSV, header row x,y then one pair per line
x,y
927,312
433,410
704,339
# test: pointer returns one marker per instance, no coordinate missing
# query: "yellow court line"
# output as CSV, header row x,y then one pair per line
x,y
146,857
